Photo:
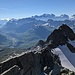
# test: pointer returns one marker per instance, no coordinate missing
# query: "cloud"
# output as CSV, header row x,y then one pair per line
x,y
5,19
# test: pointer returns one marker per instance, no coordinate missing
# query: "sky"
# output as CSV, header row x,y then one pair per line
x,y
27,8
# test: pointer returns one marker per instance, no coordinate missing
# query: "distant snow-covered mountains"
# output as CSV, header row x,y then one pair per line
x,y
45,17
23,31
3,22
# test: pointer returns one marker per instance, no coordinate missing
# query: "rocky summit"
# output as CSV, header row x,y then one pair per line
x,y
40,60
62,36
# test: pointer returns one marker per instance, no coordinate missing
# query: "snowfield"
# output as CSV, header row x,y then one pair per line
x,y
66,56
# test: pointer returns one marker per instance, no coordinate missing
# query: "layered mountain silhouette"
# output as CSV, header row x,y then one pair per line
x,y
3,39
61,17
21,25
27,31
24,24
2,22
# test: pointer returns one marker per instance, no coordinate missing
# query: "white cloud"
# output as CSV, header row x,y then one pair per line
x,y
5,19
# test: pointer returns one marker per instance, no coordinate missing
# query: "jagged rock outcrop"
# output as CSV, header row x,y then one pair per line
x,y
61,36
40,43
31,63
34,63
67,31
57,37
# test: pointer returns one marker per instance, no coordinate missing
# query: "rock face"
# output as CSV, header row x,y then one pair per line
x,y
31,63
57,37
40,43
34,63
67,31
61,36
40,61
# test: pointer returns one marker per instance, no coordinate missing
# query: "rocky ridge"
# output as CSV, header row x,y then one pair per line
x,y
40,60
61,36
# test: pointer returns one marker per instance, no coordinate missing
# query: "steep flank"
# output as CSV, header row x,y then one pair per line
x,y
57,37
62,36
41,62
67,31
2,39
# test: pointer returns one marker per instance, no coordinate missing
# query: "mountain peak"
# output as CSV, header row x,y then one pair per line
x,y
61,36
67,31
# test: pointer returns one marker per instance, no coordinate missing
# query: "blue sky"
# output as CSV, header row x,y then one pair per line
x,y
26,8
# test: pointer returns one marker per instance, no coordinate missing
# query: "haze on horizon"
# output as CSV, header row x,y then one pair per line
x,y
27,8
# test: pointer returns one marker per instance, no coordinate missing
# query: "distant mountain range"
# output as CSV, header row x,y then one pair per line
x,y
24,24
45,17
3,22
26,32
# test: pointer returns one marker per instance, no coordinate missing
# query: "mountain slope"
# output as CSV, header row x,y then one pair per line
x,y
62,43
21,25
3,40
66,57
61,36
30,37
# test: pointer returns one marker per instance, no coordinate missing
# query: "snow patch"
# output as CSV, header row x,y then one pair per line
x,y
66,56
